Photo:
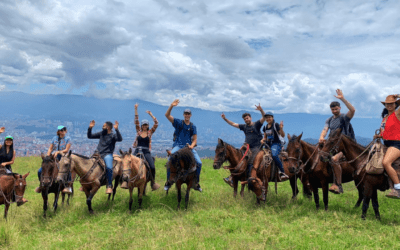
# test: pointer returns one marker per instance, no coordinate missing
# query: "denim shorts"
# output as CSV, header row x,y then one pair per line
x,y
395,144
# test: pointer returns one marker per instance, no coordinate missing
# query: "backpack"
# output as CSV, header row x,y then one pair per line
x,y
180,129
374,165
349,132
280,137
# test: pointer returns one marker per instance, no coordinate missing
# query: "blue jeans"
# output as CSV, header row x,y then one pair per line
x,y
275,150
196,157
108,159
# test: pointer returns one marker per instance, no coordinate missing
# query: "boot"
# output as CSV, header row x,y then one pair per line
x,y
124,185
154,185
109,190
335,189
67,190
283,176
394,193
228,180
38,190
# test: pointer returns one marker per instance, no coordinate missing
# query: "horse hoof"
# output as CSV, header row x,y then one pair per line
x,y
378,217
91,212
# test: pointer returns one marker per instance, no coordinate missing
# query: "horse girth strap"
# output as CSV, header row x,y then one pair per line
x,y
97,162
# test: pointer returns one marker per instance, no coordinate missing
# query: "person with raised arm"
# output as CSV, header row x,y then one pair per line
x,y
185,135
338,120
143,140
106,147
390,133
253,137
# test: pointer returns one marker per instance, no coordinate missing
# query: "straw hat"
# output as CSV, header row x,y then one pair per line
x,y
391,99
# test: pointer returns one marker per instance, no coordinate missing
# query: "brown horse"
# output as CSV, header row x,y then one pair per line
x,y
48,181
92,174
12,184
238,164
319,172
62,178
263,172
358,157
134,172
183,170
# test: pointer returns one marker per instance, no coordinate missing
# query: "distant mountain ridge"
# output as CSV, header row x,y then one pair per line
x,y
209,124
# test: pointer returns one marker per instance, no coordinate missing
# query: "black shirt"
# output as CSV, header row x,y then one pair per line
x,y
252,133
272,134
107,141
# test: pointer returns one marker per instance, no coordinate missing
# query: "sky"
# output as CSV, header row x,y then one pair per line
x,y
289,56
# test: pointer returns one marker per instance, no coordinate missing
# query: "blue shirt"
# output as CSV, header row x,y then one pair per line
x,y
183,135
60,145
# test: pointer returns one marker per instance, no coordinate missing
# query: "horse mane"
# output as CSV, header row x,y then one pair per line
x,y
82,156
354,143
47,159
294,138
227,144
186,155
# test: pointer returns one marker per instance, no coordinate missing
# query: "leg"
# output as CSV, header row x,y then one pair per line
x,y
325,194
360,189
235,187
368,193
293,184
249,168
56,195
375,204
336,187
92,192
149,159
45,199
130,197
116,182
391,155
242,190
315,193
188,186
198,170
275,150
140,195
178,186
108,159
38,189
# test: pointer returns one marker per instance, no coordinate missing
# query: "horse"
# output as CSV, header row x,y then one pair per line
x,y
48,181
134,173
12,185
92,174
370,183
238,163
264,172
183,170
62,178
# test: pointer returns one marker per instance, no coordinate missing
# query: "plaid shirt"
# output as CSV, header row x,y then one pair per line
x,y
149,132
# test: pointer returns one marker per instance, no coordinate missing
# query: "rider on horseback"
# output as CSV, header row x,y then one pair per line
x,y
7,153
390,132
252,134
273,135
143,140
185,135
60,144
106,147
334,122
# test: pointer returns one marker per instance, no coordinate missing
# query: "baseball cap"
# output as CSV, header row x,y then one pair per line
x,y
269,114
187,111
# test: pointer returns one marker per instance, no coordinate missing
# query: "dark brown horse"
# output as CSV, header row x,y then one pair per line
x,y
357,155
92,174
319,172
183,170
264,172
48,181
12,184
134,172
238,164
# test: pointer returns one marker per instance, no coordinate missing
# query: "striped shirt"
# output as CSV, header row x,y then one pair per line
x,y
150,132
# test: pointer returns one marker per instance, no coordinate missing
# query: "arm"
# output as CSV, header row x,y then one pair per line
x,y
168,113
194,142
281,132
118,136
352,110
264,139
9,162
398,110
50,149
324,131
67,148
155,126
229,122
89,133
137,124
262,120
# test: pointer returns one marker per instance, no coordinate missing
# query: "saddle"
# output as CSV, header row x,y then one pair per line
x,y
98,161
269,164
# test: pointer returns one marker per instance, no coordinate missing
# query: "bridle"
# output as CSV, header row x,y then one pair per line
x,y
221,156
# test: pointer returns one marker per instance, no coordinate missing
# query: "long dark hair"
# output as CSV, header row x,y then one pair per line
x,y
385,111
5,148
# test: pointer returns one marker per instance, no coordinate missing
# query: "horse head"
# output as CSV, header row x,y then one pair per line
x,y
331,147
126,164
257,187
295,152
19,187
49,170
220,154
64,166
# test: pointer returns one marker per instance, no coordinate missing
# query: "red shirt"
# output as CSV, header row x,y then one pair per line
x,y
392,128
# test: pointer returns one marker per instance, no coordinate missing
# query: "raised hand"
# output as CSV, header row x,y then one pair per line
x,y
339,94
116,125
148,112
281,125
136,105
92,123
223,116
2,129
175,103
258,107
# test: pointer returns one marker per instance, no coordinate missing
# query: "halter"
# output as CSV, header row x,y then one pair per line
x,y
223,156
16,184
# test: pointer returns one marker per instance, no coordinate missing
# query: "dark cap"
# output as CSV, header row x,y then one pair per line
x,y
187,111
268,114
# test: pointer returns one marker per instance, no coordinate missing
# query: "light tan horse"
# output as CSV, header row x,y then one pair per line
x,y
91,173
134,172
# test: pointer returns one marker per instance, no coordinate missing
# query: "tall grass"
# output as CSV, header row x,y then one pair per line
x,y
214,219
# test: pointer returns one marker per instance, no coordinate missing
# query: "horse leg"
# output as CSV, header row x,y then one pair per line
x,y
295,189
242,190
325,193
70,195
7,206
90,195
178,186
368,193
45,199
140,194
189,185
316,195
235,186
56,195
360,195
130,197
116,182
375,204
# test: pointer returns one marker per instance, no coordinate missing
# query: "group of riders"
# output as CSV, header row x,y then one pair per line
x,y
185,135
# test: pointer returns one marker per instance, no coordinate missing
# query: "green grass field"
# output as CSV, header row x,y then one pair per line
x,y
214,219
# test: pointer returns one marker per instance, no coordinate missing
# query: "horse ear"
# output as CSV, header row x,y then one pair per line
x,y
168,152
299,138
337,132
42,155
288,136
220,141
25,175
130,150
69,153
121,152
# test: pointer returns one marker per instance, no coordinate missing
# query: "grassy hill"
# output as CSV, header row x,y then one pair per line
x,y
214,220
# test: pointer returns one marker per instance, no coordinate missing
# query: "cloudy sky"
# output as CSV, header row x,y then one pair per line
x,y
218,55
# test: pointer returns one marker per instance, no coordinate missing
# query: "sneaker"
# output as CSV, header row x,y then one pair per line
x,y
228,181
198,188
394,193
109,190
283,176
335,189
38,190
67,190
166,187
